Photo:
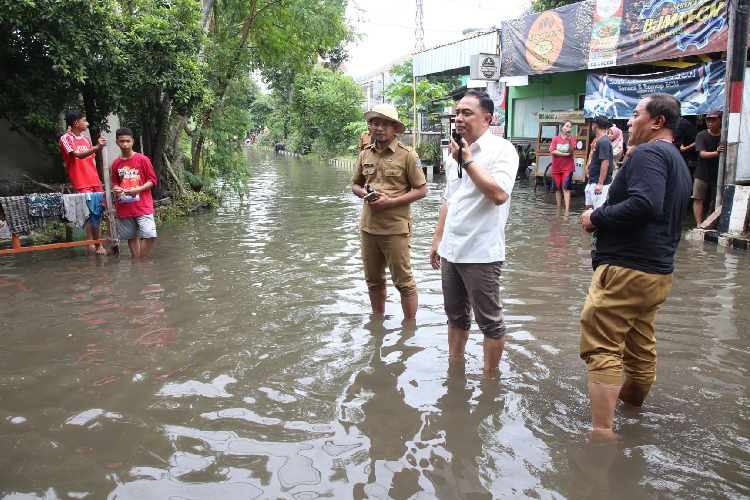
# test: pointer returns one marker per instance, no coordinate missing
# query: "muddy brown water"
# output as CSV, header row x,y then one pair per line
x,y
241,362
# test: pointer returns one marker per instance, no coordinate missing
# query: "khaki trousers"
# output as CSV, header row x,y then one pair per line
x,y
617,324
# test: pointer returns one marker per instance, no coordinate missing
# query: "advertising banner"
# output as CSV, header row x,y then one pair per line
x,y
699,89
666,29
605,33
549,42
497,92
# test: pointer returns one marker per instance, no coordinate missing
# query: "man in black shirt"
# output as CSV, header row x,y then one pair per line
x,y
601,164
708,146
683,138
635,237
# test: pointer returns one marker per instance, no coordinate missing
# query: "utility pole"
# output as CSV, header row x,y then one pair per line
x,y
736,61
419,29
418,47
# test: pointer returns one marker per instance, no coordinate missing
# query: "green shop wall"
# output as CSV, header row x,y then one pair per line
x,y
560,84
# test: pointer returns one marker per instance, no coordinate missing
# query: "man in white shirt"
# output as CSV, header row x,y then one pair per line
x,y
469,241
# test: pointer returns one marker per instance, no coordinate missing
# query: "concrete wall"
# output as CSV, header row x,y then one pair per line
x,y
560,84
19,159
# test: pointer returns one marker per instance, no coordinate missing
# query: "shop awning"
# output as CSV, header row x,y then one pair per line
x,y
454,58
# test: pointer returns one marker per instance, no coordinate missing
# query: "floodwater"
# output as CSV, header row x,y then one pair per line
x,y
241,362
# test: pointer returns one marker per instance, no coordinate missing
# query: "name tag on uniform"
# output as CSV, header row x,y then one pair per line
x,y
368,165
390,160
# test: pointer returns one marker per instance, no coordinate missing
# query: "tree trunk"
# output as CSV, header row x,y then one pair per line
x,y
154,139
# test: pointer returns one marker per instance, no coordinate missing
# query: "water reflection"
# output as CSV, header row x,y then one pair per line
x,y
240,361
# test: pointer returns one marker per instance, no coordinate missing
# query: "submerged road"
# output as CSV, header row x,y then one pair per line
x,y
241,361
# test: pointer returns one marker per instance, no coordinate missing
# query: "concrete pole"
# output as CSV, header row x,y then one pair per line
x,y
730,125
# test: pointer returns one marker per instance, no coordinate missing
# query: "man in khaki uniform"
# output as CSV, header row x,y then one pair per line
x,y
393,172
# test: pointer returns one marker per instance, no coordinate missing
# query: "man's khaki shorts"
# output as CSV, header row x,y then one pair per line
x,y
392,251
617,324
703,190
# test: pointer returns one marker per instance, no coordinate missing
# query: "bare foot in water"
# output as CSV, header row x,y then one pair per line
x,y
602,435
100,250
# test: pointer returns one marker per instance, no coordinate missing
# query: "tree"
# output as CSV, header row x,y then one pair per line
x,y
542,5
323,104
401,93
138,58
56,55
161,72
264,34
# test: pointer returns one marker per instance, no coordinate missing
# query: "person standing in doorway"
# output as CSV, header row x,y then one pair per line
x,y
563,164
469,242
600,166
635,236
79,157
708,146
389,177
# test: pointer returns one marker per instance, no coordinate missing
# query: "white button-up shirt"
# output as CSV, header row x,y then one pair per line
x,y
474,229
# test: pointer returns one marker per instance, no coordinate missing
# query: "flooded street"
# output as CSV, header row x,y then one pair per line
x,y
241,362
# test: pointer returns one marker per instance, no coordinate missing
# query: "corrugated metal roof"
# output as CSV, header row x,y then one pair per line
x,y
454,58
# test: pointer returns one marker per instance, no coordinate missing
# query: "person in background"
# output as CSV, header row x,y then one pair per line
x,y
392,171
563,164
79,157
635,236
366,138
615,136
133,178
684,139
601,164
708,146
469,241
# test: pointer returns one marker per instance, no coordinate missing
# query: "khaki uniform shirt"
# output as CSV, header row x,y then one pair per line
x,y
394,172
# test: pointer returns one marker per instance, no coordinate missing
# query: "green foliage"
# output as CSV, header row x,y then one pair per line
x,y
429,151
542,5
323,104
53,232
185,205
50,52
430,94
355,130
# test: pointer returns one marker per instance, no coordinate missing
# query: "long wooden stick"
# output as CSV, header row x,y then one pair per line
x,y
114,241
17,248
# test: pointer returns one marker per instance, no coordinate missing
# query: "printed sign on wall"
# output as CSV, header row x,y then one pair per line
x,y
550,42
699,89
666,29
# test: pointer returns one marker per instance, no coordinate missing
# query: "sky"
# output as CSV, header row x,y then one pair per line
x,y
387,26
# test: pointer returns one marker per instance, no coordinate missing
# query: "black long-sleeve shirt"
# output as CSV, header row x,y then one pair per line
x,y
641,224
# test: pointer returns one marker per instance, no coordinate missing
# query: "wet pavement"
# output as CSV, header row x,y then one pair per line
x,y
241,361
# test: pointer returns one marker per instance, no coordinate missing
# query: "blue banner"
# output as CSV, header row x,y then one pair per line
x,y
698,88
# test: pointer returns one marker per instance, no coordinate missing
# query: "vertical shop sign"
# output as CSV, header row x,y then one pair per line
x,y
605,33
497,92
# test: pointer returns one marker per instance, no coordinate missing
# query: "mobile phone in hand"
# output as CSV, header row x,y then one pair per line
x,y
371,196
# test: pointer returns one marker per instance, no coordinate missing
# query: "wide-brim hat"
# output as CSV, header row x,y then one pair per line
x,y
389,113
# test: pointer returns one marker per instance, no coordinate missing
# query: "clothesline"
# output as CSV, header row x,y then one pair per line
x,y
34,211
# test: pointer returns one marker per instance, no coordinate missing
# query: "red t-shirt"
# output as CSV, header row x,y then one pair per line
x,y
82,171
562,164
133,172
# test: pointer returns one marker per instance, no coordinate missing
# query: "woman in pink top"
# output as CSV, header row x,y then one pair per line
x,y
615,135
563,165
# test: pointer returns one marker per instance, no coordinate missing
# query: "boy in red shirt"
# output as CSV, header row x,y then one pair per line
x,y
78,155
132,179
